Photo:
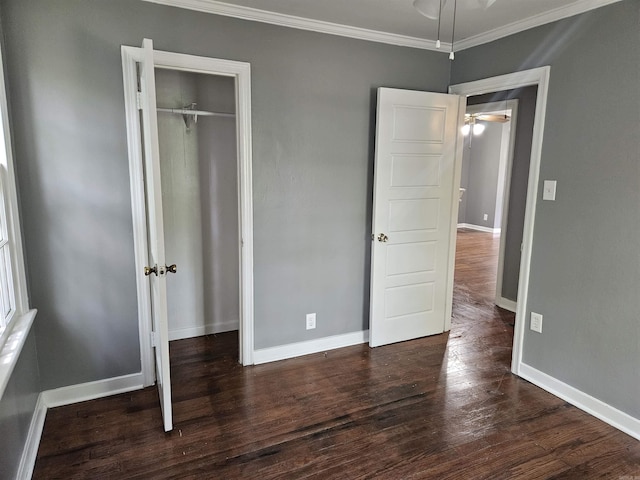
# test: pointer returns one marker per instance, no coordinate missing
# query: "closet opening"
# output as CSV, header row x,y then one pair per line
x,y
199,176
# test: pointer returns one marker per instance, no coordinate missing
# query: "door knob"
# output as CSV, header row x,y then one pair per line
x,y
149,270
382,237
172,268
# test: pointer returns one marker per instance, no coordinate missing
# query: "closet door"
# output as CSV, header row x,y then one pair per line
x,y
156,269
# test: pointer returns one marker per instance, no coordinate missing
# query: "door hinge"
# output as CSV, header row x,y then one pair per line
x,y
153,339
139,100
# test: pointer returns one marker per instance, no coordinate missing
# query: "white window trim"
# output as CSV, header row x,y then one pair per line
x,y
17,329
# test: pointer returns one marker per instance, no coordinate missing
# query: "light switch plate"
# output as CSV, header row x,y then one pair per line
x,y
549,190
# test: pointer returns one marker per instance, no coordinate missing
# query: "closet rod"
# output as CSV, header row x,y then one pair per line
x,y
186,111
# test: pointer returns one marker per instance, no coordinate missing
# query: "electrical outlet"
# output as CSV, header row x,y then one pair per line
x,y
311,321
485,216
536,322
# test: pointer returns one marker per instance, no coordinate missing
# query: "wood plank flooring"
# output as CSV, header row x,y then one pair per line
x,y
442,407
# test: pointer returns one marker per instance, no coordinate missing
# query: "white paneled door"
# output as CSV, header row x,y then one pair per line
x,y
415,209
156,269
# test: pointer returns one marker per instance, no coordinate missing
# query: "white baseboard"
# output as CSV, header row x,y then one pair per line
x,y
292,350
583,401
30,451
496,231
506,304
199,331
92,390
66,396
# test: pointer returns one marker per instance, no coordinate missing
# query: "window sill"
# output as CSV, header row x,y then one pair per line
x,y
10,350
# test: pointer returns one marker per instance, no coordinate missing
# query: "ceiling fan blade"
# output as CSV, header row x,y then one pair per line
x,y
429,8
494,118
486,3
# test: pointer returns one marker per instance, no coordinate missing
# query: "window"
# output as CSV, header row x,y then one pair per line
x,y
13,299
15,317
7,293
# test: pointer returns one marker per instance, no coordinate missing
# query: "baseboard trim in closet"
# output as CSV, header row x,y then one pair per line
x,y
209,329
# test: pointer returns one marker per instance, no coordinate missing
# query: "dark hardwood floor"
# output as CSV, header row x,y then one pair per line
x,y
443,407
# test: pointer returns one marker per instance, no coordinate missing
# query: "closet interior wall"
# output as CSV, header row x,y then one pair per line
x,y
200,203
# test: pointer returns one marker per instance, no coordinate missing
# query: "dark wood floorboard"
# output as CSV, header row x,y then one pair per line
x,y
442,407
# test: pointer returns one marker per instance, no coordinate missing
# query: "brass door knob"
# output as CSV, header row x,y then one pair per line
x,y
149,270
172,268
382,237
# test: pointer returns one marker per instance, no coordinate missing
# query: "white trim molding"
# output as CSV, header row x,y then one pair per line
x,y
284,20
300,23
67,396
540,77
495,231
30,450
560,13
208,329
292,350
506,304
599,409
11,346
92,390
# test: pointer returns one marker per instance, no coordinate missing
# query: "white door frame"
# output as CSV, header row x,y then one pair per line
x,y
504,224
540,78
241,71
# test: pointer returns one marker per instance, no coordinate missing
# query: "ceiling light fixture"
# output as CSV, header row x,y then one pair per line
x,y
471,126
478,128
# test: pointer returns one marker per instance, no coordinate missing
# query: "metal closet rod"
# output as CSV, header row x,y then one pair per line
x,y
187,111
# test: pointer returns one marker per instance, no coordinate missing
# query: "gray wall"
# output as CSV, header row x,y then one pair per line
x,y
219,203
481,162
518,181
313,116
17,406
585,273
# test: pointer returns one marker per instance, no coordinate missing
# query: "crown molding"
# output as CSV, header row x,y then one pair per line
x,y
247,13
291,21
581,6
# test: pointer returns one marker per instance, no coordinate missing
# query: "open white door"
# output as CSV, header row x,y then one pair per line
x,y
415,208
157,270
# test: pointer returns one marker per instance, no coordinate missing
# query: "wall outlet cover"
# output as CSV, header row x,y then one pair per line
x,y
311,321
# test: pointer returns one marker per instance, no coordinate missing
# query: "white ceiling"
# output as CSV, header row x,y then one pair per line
x,y
396,21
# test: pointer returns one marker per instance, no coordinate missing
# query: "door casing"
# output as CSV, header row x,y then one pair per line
x,y
241,71
540,78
